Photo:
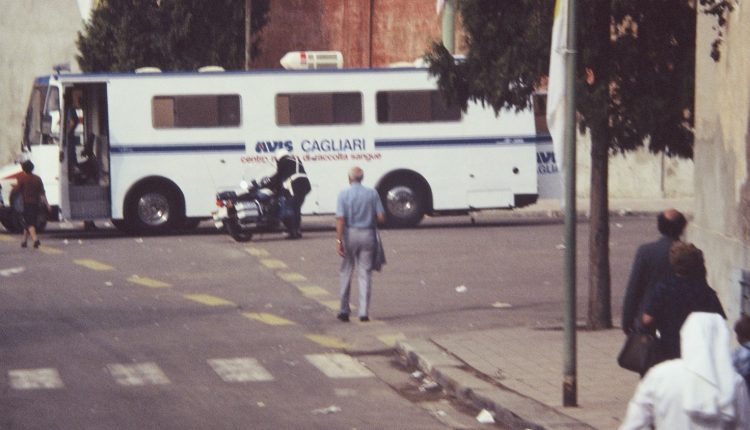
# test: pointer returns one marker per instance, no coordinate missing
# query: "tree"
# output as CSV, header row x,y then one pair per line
x,y
123,35
635,86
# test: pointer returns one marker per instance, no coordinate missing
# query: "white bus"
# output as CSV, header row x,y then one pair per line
x,y
149,150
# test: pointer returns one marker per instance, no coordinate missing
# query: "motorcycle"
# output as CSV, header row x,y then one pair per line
x,y
248,210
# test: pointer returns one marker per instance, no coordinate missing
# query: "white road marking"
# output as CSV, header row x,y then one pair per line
x,y
30,379
241,369
339,366
6,273
137,374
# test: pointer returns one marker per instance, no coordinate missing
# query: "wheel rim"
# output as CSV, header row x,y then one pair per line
x,y
402,202
153,209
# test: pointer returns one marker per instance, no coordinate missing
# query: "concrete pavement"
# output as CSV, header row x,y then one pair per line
x,y
517,373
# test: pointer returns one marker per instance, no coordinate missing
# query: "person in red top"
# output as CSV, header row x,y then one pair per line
x,y
32,190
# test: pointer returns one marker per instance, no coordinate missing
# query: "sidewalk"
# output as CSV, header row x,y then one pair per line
x,y
517,373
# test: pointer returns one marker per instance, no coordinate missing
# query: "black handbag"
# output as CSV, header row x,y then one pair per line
x,y
638,353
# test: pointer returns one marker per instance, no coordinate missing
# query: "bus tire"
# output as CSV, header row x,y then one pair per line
x,y
153,208
404,202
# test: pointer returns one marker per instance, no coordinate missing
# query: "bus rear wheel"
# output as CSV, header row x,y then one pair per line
x,y
153,209
404,203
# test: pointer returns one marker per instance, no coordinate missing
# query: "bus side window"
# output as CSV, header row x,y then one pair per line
x,y
415,106
318,108
195,111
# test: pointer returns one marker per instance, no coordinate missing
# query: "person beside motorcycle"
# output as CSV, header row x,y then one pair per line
x,y
290,182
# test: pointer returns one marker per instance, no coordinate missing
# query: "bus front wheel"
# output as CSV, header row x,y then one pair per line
x,y
153,209
404,204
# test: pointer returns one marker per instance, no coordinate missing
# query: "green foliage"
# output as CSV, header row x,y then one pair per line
x,y
636,65
123,35
508,50
719,10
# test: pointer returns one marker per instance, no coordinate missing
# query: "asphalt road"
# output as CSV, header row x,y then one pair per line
x,y
194,331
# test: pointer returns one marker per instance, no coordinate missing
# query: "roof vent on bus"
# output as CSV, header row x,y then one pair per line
x,y
148,70
313,60
208,69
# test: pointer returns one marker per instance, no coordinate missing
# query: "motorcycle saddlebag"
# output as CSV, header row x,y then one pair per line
x,y
247,212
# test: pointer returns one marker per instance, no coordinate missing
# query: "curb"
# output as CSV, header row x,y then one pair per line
x,y
509,408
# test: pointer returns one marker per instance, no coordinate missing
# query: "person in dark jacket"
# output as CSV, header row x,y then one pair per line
x,y
290,181
651,264
741,355
31,189
668,305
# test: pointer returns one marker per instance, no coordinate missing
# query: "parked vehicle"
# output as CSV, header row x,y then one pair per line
x,y
248,210
149,150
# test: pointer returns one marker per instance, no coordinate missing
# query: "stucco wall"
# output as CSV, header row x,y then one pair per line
x,y
722,187
636,175
34,35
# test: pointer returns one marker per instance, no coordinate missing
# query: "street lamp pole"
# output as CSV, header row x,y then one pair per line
x,y
570,378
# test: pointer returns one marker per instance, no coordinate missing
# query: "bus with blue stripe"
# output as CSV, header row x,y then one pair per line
x,y
149,150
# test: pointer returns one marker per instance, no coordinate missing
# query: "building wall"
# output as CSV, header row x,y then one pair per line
x,y
722,184
636,175
367,32
34,36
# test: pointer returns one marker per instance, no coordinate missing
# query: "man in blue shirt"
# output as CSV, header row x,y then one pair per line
x,y
358,211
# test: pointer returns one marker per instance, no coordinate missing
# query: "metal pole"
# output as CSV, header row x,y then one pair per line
x,y
248,33
448,24
570,382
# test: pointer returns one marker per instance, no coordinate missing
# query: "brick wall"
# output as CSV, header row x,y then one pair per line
x,y
377,32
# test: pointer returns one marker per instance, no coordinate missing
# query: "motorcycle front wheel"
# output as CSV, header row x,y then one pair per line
x,y
236,231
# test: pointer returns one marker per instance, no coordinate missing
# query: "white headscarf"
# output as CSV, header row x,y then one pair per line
x,y
711,380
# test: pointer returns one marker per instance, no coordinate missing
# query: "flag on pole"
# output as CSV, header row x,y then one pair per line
x,y
556,90
439,6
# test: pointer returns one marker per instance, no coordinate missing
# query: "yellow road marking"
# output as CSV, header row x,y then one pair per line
x,y
257,252
5,238
272,263
93,265
327,341
147,282
50,250
267,318
330,304
291,276
391,339
312,290
209,300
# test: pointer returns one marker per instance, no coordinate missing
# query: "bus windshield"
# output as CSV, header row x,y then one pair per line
x,y
44,103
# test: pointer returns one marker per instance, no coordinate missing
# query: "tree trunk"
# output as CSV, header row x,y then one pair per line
x,y
599,308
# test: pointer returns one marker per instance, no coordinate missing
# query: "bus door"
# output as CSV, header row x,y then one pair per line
x,y
84,155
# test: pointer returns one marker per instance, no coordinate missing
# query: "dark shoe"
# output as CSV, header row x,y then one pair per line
x,y
23,244
364,319
37,243
343,317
